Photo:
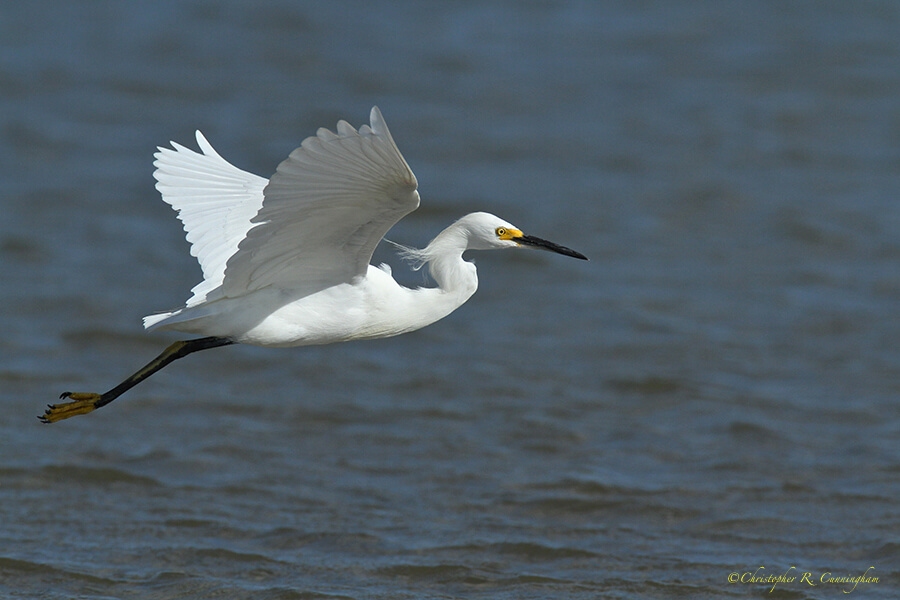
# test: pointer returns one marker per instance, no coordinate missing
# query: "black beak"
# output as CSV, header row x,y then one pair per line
x,y
534,242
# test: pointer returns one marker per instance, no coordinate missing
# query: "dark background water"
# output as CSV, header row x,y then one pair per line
x,y
716,391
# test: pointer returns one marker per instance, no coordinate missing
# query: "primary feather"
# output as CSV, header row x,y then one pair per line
x,y
216,202
326,208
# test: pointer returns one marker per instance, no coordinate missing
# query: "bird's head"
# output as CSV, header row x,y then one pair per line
x,y
489,232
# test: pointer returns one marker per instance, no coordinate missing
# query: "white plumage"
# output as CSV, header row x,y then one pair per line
x,y
326,208
286,261
216,202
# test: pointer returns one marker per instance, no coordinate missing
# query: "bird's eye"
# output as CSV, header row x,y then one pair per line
x,y
501,231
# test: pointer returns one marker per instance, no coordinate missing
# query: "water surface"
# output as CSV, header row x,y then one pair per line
x,y
714,392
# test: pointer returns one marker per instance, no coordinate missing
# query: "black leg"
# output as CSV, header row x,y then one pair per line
x,y
82,403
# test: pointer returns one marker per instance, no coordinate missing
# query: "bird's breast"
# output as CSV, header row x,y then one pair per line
x,y
374,306
332,315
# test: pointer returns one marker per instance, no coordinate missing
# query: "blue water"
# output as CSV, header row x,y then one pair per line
x,y
715,392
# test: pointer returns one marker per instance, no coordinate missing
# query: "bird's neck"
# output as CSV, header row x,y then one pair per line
x,y
446,265
411,309
453,275
456,279
456,282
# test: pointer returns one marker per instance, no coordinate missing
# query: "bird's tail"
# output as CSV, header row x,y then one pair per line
x,y
151,321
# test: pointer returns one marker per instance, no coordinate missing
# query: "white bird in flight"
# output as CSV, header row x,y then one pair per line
x,y
286,261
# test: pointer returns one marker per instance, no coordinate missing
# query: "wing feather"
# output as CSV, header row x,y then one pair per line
x,y
215,201
325,209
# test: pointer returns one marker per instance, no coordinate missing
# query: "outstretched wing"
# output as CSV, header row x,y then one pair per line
x,y
324,211
216,202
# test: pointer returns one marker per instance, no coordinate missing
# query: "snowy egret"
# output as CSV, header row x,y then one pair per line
x,y
285,262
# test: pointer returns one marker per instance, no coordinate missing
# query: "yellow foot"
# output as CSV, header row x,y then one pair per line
x,y
81,404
